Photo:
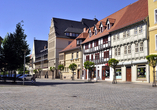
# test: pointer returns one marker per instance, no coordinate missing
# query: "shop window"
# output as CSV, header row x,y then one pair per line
x,y
107,72
141,71
118,74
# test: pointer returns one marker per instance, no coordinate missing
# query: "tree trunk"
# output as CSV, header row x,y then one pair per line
x,y
154,82
73,76
114,76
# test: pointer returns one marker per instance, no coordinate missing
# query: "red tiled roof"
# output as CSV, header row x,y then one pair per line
x,y
131,14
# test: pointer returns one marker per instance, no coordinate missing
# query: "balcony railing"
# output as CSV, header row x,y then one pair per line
x,y
97,48
100,60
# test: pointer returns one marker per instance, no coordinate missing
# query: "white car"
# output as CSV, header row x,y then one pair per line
x,y
26,77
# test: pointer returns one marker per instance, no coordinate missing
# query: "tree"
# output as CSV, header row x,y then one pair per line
x,y
12,46
52,69
89,65
73,67
113,63
152,59
61,68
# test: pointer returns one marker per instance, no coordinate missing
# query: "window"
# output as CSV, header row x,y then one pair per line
x,y
92,57
117,36
155,14
78,42
101,29
106,54
69,42
90,34
124,34
91,45
156,42
77,55
118,50
72,56
87,58
114,37
129,49
115,51
128,33
141,46
95,31
95,43
67,34
135,30
86,46
73,34
136,47
140,29
125,49
76,35
141,71
108,26
96,56
105,40
118,74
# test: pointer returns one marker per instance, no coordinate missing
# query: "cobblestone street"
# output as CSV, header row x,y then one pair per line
x,y
77,95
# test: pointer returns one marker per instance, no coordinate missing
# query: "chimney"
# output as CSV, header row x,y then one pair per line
x,y
84,29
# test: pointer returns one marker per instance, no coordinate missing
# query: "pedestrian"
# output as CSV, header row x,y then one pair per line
x,y
33,79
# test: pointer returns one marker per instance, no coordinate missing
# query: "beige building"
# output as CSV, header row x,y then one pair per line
x,y
152,10
62,33
72,54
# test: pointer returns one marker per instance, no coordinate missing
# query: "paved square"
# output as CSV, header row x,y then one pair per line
x,y
77,95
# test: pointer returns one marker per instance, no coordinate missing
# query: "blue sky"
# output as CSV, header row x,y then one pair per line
x,y
37,14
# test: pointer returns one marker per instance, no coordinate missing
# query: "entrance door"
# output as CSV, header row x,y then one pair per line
x,y
128,74
103,73
86,74
78,74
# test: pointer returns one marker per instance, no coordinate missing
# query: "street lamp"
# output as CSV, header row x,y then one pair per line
x,y
24,50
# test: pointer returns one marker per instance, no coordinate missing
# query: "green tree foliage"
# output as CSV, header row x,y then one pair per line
x,y
152,59
61,68
12,45
73,67
52,69
89,65
113,63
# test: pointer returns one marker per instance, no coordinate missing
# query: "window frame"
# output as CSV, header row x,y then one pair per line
x,y
115,52
155,16
155,41
141,47
119,50
140,29
136,47
124,34
128,33
114,37
125,49
118,36
135,30
129,49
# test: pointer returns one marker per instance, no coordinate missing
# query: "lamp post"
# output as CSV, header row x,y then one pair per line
x,y
24,50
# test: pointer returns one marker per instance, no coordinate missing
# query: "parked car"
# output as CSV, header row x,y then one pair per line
x,y
26,77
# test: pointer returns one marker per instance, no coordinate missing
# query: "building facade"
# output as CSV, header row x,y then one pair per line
x,y
72,54
152,9
62,33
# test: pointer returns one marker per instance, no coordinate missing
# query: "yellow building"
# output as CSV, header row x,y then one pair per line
x,y
72,54
152,10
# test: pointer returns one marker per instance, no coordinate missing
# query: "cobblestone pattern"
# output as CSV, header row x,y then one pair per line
x,y
77,95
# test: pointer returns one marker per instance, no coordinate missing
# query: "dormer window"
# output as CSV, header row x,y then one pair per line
x,y
95,31
108,26
101,29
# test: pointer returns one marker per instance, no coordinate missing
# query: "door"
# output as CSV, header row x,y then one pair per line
x,y
98,74
103,73
128,74
86,74
78,74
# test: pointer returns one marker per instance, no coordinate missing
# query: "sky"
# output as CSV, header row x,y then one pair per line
x,y
37,14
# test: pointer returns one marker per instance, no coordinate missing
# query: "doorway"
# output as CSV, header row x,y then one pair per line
x,y
128,74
